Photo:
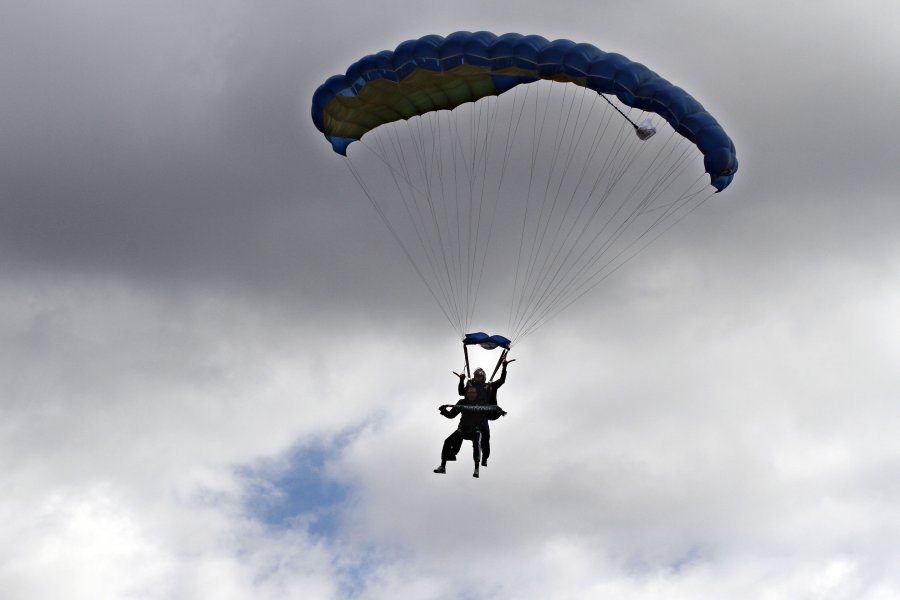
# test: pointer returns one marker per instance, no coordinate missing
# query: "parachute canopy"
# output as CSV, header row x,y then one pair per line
x,y
436,73
517,173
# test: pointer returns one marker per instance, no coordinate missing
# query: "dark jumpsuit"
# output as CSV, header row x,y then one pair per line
x,y
470,428
487,394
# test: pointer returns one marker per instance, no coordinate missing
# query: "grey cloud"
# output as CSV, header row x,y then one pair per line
x,y
192,283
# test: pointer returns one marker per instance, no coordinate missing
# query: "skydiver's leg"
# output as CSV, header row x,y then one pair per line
x,y
454,440
476,451
451,446
454,448
485,443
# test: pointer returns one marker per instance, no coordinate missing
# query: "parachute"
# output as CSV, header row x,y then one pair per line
x,y
531,168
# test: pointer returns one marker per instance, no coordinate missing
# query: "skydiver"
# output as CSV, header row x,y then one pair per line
x,y
487,394
470,428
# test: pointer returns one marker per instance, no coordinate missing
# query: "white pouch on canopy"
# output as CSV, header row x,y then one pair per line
x,y
645,130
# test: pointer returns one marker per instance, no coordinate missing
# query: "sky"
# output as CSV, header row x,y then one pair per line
x,y
220,376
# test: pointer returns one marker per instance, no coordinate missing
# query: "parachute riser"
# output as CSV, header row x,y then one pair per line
x,y
466,354
499,362
496,367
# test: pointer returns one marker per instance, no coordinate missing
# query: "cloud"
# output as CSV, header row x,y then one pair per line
x,y
209,340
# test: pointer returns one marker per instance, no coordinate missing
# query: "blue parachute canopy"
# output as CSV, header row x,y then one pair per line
x,y
440,73
488,342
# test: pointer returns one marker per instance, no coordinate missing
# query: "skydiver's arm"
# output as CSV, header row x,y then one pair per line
x,y
449,411
502,379
462,382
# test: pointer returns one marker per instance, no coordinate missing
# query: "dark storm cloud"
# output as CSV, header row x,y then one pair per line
x,y
182,148
170,149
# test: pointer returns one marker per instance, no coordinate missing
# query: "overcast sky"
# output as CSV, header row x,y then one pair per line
x,y
219,376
